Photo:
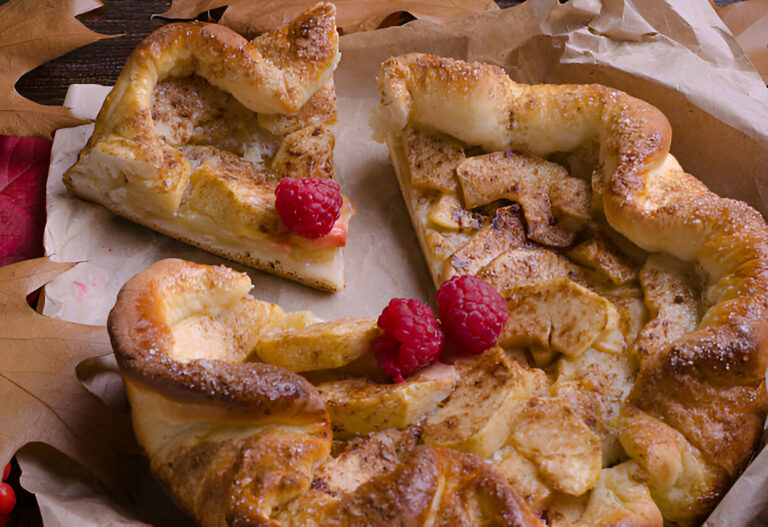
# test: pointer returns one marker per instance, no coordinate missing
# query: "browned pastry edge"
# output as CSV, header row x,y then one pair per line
x,y
142,341
223,58
709,384
226,60
451,484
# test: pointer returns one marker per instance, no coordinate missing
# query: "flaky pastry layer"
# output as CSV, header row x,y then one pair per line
x,y
235,441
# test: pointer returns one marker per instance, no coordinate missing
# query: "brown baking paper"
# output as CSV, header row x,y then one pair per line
x,y
677,54
748,21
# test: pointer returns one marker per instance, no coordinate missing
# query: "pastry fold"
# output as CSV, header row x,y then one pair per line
x,y
236,442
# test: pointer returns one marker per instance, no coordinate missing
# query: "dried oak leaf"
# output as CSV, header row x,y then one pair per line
x,y
43,400
33,32
250,18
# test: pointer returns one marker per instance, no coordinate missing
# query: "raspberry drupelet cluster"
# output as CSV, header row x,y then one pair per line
x,y
411,338
308,206
472,315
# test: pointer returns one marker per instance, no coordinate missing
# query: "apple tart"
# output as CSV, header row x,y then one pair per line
x,y
223,407
637,298
202,125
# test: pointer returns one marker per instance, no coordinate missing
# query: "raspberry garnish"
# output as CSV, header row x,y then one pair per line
x,y
308,206
411,338
472,313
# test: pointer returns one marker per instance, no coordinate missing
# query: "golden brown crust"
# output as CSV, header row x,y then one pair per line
x,y
443,486
251,71
140,330
228,440
706,383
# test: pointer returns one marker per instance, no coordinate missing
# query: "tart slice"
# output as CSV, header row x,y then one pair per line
x,y
642,295
201,127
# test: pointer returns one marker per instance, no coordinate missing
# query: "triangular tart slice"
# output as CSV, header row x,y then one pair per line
x,y
202,125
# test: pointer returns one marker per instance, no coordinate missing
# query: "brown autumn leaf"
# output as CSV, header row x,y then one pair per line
x,y
43,400
33,32
250,18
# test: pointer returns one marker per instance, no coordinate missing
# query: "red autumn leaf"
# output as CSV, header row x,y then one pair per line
x,y
23,173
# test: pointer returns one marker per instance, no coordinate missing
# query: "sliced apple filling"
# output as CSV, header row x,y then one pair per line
x,y
560,315
477,418
521,178
566,452
501,232
318,346
600,254
359,406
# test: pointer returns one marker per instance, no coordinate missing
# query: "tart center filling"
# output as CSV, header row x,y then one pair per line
x,y
588,311
237,156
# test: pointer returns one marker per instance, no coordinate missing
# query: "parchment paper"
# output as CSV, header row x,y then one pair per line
x,y
677,54
748,21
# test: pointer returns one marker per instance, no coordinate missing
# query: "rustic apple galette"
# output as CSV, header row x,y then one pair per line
x,y
201,128
639,294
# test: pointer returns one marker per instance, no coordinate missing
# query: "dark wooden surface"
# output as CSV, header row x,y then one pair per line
x,y
100,62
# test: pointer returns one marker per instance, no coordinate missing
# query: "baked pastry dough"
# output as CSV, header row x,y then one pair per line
x,y
641,294
200,127
236,441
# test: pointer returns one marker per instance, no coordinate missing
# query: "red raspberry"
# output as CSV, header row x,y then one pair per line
x,y
308,206
472,313
411,339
